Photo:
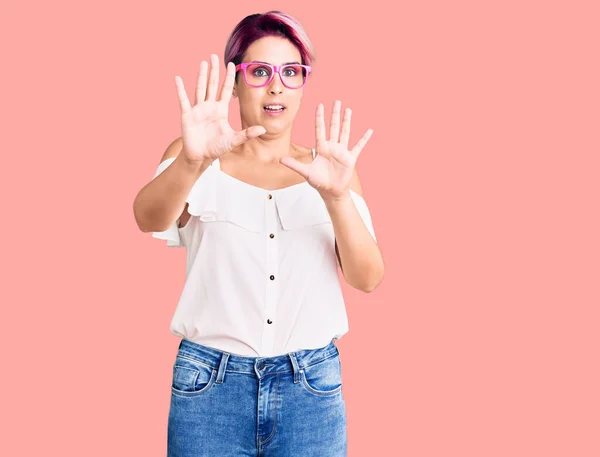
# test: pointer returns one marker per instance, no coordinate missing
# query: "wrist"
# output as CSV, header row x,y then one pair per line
x,y
333,199
196,167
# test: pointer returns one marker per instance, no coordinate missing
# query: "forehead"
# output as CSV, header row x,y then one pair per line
x,y
274,50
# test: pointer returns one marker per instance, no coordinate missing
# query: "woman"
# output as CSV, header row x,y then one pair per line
x,y
265,223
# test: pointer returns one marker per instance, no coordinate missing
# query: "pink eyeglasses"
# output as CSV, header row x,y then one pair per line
x,y
259,74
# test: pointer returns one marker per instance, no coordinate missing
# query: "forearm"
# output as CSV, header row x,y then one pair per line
x,y
162,200
360,257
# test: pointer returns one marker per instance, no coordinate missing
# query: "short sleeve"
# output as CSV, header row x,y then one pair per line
x,y
163,166
202,203
363,210
171,235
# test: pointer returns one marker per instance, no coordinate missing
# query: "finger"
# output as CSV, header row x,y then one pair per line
x,y
334,129
248,134
227,89
213,81
201,83
184,103
320,125
298,167
361,143
345,136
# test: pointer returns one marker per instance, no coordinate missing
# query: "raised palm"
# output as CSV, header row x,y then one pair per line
x,y
331,170
205,129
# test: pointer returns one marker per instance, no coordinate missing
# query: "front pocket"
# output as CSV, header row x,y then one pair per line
x,y
191,378
324,378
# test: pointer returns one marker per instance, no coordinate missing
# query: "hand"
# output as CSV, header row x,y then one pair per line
x,y
205,130
331,170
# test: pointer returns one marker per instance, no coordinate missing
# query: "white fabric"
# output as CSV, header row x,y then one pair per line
x,y
228,296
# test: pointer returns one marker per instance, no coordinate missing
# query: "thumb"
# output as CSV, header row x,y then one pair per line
x,y
299,167
248,134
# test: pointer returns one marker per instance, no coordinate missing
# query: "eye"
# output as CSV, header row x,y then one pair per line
x,y
260,72
290,71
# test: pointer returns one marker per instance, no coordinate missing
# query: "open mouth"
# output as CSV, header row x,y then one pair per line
x,y
274,108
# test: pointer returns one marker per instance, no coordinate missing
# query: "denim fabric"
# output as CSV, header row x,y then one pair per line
x,y
227,405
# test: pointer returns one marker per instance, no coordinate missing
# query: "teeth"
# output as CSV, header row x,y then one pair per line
x,y
274,107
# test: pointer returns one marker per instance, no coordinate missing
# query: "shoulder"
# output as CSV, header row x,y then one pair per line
x,y
303,153
173,149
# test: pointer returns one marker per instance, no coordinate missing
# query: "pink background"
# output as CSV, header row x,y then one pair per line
x,y
482,177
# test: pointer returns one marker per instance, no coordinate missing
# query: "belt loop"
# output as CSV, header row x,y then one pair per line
x,y
222,367
295,366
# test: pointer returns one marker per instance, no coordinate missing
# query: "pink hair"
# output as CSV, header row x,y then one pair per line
x,y
272,23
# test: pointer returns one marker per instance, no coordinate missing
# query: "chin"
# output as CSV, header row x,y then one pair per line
x,y
275,123
275,130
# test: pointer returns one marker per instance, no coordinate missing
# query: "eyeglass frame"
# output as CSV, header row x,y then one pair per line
x,y
274,69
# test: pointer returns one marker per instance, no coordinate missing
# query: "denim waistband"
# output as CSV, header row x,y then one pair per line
x,y
292,361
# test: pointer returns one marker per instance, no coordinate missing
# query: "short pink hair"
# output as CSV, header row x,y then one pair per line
x,y
272,23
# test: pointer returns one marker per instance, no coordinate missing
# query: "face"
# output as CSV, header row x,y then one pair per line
x,y
276,51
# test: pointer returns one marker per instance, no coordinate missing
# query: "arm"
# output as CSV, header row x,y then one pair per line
x,y
207,136
358,254
162,201
333,174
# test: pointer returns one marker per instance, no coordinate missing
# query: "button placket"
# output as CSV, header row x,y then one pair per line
x,y
268,338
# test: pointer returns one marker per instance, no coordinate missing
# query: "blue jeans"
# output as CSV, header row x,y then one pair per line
x,y
227,405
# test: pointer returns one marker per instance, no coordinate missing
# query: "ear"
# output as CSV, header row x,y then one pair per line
x,y
234,91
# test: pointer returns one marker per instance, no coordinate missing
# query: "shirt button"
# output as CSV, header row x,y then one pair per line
x,y
272,277
269,196
272,235
269,321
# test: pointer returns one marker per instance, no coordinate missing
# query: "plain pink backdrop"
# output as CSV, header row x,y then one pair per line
x,y
482,177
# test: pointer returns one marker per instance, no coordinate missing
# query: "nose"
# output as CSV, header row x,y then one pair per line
x,y
276,84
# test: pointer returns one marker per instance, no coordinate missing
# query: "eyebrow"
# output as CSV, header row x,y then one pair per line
x,y
287,63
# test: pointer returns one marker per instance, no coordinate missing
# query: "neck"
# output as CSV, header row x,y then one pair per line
x,y
269,148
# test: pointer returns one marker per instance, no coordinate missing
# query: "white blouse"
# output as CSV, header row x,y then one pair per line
x,y
261,271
